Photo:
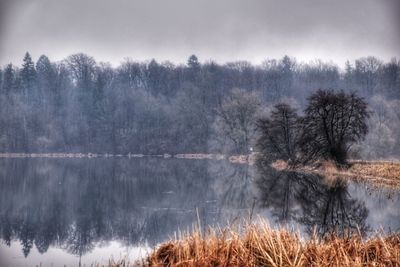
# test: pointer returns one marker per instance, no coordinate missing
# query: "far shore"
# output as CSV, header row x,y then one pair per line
x,y
109,155
243,159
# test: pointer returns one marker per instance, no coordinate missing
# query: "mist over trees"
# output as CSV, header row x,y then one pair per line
x,y
80,105
235,123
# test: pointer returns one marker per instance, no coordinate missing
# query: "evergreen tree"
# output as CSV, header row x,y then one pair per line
x,y
194,68
45,72
193,62
287,66
8,79
28,72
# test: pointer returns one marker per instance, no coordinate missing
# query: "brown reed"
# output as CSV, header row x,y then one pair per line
x,y
260,245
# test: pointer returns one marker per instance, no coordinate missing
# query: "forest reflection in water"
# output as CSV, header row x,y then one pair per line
x,y
79,204
318,204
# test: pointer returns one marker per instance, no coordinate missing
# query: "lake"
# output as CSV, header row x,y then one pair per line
x,y
66,212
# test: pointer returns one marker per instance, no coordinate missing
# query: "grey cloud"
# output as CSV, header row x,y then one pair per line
x,y
223,30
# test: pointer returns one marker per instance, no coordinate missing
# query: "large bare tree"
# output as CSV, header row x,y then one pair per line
x,y
333,122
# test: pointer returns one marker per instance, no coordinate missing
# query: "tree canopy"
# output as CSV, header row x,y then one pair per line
x,y
332,123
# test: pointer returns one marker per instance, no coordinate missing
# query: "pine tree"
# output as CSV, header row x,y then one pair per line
x,y
46,80
8,79
193,62
348,76
28,75
193,70
45,72
1,77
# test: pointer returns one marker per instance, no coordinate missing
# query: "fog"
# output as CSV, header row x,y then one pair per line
x,y
80,105
168,116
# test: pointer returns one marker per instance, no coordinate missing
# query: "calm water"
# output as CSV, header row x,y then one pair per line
x,y
58,212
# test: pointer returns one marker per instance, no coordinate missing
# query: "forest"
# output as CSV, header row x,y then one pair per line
x,y
80,105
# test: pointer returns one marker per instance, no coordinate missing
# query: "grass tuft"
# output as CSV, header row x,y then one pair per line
x,y
259,245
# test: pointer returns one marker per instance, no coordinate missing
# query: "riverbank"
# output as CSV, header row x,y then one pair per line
x,y
108,155
238,159
259,245
377,173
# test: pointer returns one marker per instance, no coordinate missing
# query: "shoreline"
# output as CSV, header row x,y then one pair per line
x,y
376,173
238,159
107,155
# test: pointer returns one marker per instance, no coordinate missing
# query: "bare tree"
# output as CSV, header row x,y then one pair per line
x,y
366,72
381,141
236,119
83,69
279,134
333,122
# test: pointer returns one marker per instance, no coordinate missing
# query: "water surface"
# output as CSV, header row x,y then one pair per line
x,y
70,211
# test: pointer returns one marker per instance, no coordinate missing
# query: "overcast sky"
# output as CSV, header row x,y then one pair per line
x,y
222,30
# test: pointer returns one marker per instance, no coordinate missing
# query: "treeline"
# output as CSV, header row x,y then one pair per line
x,y
80,105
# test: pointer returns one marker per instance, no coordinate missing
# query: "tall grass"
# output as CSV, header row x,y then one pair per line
x,y
259,245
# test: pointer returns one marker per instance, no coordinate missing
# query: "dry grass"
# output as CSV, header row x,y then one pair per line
x,y
243,159
375,173
119,263
259,245
280,165
388,170
380,174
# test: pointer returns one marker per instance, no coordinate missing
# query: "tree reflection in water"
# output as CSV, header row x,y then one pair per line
x,y
234,186
320,206
77,204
